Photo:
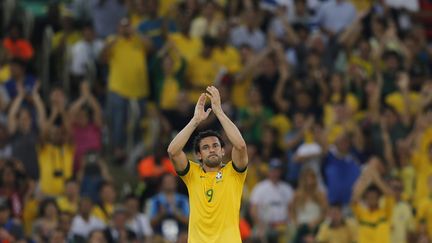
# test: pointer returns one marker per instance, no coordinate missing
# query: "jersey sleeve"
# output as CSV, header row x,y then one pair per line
x,y
240,174
186,174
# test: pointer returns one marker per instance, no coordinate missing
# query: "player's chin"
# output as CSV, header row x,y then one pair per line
x,y
213,162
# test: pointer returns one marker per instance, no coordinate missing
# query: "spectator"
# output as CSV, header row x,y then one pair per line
x,y
309,206
341,168
226,54
69,201
56,236
402,221
249,33
10,231
84,222
208,22
4,65
269,148
24,134
97,236
84,56
126,82
337,229
202,70
13,187
106,16
254,117
19,77
169,77
17,46
335,16
117,231
105,206
187,45
55,153
5,145
424,215
154,26
169,209
153,166
374,218
86,120
92,174
65,225
270,200
47,221
138,222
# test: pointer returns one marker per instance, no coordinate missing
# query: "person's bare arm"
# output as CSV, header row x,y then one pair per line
x,y
251,66
283,68
175,149
106,51
239,151
40,107
388,147
13,110
403,84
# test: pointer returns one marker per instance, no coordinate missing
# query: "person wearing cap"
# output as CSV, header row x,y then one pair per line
x,y
215,188
269,201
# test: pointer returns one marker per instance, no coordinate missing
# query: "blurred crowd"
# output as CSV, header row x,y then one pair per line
x,y
333,97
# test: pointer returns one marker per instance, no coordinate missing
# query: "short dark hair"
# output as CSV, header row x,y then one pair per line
x,y
202,135
372,188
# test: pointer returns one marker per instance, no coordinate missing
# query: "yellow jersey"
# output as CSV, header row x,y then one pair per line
x,y
56,167
374,226
424,214
128,74
214,199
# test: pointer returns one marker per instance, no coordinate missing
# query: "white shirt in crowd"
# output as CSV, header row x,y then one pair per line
x,y
410,5
140,225
83,53
84,228
272,200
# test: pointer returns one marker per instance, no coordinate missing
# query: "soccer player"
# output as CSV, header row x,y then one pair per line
x,y
214,188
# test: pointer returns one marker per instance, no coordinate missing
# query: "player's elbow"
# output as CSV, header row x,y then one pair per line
x,y
241,146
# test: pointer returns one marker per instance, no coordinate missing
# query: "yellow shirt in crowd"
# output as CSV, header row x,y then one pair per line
x,y
402,222
228,58
424,214
200,73
396,101
4,73
67,206
423,167
71,39
104,214
374,226
214,199
187,47
346,233
55,165
128,68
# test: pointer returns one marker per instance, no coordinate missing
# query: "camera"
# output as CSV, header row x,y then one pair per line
x,y
58,173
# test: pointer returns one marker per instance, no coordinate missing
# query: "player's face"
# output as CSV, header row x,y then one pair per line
x,y
211,151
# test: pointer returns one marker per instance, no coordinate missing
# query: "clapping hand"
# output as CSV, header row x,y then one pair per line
x,y
213,94
200,114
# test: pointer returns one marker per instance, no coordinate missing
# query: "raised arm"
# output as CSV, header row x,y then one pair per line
x,y
40,107
239,151
175,149
13,111
86,98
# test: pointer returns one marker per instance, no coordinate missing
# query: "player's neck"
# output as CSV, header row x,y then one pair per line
x,y
211,169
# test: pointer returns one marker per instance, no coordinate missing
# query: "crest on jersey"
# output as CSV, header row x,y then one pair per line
x,y
219,176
